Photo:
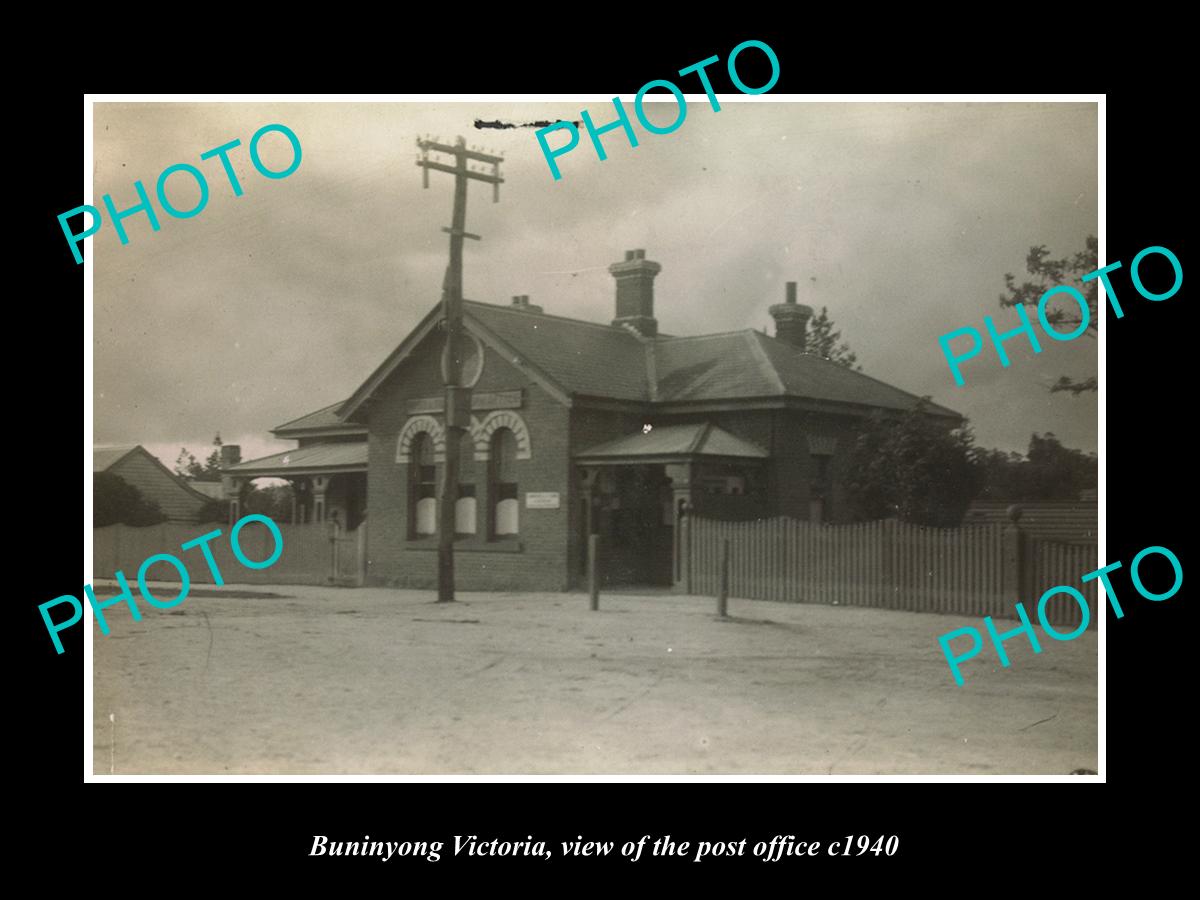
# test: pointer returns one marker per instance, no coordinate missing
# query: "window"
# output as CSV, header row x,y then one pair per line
x,y
506,507
464,505
422,488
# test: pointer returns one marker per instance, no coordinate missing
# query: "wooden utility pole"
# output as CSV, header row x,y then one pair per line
x,y
458,395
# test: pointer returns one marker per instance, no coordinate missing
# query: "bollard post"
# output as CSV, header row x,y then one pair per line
x,y
723,593
1016,571
593,575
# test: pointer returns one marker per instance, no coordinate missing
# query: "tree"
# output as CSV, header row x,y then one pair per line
x,y
1004,476
1057,472
187,466
1049,273
914,468
116,501
823,341
274,501
214,511
1047,472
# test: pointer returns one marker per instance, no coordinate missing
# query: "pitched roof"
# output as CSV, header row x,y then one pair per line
x,y
104,458
137,466
1066,521
572,357
698,440
214,490
581,357
319,457
809,375
324,418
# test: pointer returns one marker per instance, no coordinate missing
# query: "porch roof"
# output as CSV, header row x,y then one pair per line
x,y
319,459
673,443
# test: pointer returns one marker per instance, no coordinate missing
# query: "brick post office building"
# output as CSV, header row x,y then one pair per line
x,y
580,427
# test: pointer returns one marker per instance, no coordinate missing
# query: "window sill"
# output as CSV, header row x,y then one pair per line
x,y
468,545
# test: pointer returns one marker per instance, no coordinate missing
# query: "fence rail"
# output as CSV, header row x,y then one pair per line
x,y
976,571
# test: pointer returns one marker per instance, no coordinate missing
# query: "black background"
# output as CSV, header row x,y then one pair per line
x,y
952,835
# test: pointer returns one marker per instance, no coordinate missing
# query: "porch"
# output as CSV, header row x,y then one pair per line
x,y
635,490
329,482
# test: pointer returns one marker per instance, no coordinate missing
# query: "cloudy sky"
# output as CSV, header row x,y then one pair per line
x,y
901,218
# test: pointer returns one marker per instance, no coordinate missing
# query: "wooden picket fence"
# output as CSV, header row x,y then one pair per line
x,y
310,555
1057,562
887,564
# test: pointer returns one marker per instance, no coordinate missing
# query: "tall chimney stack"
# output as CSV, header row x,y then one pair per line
x,y
791,319
521,302
635,292
231,455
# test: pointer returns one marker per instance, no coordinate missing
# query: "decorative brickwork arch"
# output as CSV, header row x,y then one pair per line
x,y
416,425
475,429
501,418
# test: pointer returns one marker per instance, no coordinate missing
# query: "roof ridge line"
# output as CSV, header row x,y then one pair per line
x,y
861,374
520,361
764,361
508,309
715,334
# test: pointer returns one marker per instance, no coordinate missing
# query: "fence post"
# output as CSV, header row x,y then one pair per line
x,y
723,592
362,553
685,547
333,553
593,576
117,529
1016,556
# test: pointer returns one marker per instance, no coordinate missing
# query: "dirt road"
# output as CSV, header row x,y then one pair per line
x,y
325,680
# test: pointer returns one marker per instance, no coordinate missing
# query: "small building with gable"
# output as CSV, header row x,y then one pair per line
x,y
134,464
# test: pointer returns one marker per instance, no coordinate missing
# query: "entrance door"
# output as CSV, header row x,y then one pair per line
x,y
636,527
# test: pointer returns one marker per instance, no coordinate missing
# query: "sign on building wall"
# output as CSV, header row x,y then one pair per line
x,y
541,500
483,400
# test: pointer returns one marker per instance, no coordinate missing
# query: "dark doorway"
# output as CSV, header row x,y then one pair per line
x,y
634,519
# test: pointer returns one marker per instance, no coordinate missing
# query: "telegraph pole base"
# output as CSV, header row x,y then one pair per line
x,y
445,575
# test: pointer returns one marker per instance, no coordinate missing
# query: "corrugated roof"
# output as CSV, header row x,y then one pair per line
x,y
105,457
701,439
325,417
214,490
318,456
1063,520
135,465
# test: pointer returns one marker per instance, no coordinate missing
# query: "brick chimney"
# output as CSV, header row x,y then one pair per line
x,y
635,292
231,455
522,303
791,319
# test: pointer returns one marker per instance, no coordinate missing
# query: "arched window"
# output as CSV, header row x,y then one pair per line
x,y
465,505
422,487
506,508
